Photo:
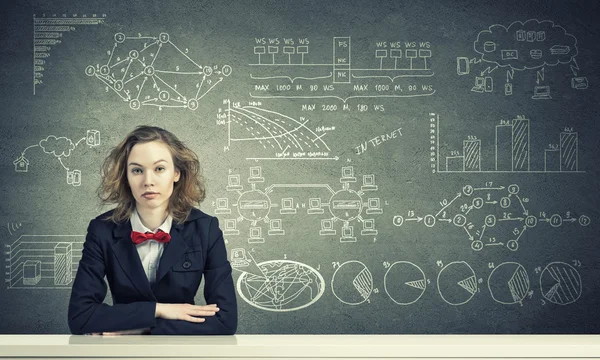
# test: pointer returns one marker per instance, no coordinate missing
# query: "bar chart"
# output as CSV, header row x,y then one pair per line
x,y
509,145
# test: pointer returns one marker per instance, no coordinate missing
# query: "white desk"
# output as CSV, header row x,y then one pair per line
x,y
300,347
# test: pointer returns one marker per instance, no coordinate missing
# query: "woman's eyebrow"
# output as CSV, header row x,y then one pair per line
x,y
157,161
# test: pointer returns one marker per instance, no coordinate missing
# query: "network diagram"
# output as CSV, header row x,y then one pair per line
x,y
287,68
60,147
523,47
153,71
491,215
344,206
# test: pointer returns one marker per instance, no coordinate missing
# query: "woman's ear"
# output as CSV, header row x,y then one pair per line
x,y
177,175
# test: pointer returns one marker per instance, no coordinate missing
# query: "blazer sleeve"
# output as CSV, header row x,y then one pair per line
x,y
87,313
218,289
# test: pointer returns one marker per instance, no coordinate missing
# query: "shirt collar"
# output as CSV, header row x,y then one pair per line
x,y
136,223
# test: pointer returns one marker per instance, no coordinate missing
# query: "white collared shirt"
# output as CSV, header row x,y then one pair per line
x,y
150,251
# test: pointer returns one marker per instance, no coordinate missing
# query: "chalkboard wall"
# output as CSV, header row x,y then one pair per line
x,y
380,167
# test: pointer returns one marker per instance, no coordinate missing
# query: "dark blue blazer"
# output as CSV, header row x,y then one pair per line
x,y
197,248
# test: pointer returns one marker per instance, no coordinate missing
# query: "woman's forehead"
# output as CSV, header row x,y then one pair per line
x,y
150,152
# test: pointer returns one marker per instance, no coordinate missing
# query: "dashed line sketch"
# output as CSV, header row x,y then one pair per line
x,y
523,47
268,208
280,136
60,147
276,285
41,261
149,70
511,141
457,283
404,282
491,215
560,283
287,68
48,31
352,282
509,283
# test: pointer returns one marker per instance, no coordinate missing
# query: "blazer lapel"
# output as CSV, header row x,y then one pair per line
x,y
127,256
172,252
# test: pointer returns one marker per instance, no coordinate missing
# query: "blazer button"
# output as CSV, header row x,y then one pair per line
x,y
186,265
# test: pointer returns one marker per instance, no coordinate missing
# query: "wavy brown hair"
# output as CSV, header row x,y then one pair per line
x,y
188,192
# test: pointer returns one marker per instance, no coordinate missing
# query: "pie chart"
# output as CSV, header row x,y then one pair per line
x,y
457,283
560,283
404,282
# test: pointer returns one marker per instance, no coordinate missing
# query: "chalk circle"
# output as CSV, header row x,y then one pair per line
x,y
490,220
459,220
429,220
560,283
512,245
164,95
352,283
478,203
556,220
163,37
118,85
531,221
134,104
226,71
513,189
119,37
134,54
509,283
90,70
149,70
207,70
457,283
477,245
404,282
398,220
584,220
104,70
468,190
505,202
192,104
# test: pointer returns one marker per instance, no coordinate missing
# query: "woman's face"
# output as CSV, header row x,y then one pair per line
x,y
151,174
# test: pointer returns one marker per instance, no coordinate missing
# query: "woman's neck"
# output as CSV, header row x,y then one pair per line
x,y
152,218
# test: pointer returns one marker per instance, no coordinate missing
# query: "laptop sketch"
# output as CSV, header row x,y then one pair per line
x,y
541,92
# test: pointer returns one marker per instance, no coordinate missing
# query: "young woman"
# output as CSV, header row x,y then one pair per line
x,y
153,247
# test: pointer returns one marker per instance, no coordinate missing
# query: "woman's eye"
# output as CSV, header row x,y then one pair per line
x,y
160,168
136,171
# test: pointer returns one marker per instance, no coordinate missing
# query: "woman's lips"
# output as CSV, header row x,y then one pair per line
x,y
150,196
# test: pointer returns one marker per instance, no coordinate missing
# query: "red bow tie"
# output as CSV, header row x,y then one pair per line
x,y
160,236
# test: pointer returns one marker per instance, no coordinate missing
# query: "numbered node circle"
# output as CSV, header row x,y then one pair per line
x,y
457,283
345,205
560,283
584,220
118,85
104,70
192,104
513,189
164,95
429,220
478,203
134,54
531,221
512,245
207,71
226,70
467,190
490,220
281,285
508,283
477,245
163,37
404,282
119,37
398,220
352,283
149,70
505,202
459,220
90,70
134,104
254,205
556,220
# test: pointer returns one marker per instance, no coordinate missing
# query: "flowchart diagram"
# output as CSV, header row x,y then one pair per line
x,y
287,68
276,136
60,147
512,151
525,47
153,71
344,207
491,215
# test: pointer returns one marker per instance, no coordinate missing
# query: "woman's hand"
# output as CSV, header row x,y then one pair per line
x,y
187,312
